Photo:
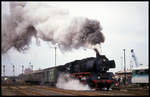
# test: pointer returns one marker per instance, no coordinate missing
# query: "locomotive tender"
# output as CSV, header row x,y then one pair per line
x,y
91,71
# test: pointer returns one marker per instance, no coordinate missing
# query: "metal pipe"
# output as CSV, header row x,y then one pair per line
x,y
97,53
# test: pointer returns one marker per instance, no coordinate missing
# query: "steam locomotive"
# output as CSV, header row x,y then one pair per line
x,y
91,71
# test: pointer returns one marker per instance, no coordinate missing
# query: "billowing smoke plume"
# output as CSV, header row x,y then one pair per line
x,y
49,23
65,81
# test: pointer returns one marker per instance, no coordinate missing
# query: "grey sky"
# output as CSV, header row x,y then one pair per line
x,y
125,25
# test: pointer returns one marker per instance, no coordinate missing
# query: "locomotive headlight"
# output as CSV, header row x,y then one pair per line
x,y
98,77
104,60
83,78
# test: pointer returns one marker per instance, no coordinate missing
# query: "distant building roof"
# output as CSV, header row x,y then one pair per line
x,y
37,71
122,72
52,67
34,71
141,67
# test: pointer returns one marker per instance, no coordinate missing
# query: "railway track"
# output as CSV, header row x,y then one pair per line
x,y
23,90
9,91
71,92
51,91
32,91
55,90
39,91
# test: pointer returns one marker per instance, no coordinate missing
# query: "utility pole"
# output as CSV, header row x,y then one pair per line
x,y
124,65
22,69
4,70
121,63
55,55
55,48
32,67
13,70
124,61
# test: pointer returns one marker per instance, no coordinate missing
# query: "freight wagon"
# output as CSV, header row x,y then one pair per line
x,y
51,75
34,77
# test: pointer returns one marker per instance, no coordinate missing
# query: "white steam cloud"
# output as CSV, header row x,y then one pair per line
x,y
49,23
65,81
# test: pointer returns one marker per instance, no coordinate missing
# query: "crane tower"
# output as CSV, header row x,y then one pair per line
x,y
134,57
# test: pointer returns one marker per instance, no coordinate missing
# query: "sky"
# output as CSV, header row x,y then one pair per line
x,y
125,26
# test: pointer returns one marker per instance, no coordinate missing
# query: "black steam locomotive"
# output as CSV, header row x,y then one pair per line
x,y
91,71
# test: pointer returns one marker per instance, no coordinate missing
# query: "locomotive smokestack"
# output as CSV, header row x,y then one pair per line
x,y
97,53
